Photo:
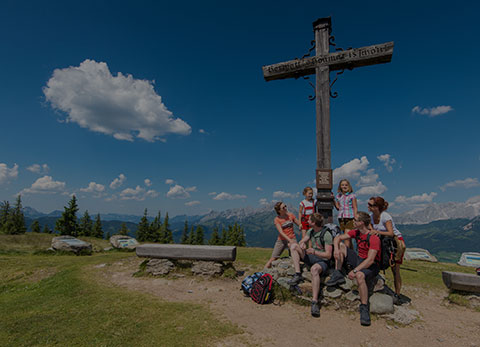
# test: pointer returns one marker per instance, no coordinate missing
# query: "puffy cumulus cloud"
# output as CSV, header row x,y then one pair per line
x,y
350,170
7,174
192,203
138,194
178,192
466,183
376,189
95,188
191,189
387,160
228,196
432,111
259,189
39,169
263,201
283,195
147,182
121,105
117,182
169,181
369,178
416,199
45,185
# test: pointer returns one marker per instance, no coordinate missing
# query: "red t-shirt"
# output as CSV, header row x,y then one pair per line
x,y
363,245
287,226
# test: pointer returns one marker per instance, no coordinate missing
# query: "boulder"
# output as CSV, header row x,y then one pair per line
x,y
332,292
381,303
403,315
123,242
419,254
158,267
71,244
207,268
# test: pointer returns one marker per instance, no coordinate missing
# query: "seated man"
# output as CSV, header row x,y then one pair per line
x,y
316,258
365,264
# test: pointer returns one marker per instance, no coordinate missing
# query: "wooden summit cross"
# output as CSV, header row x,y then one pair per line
x,y
321,65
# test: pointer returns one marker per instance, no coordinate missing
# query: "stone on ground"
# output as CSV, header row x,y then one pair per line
x,y
71,244
158,267
207,268
123,241
381,303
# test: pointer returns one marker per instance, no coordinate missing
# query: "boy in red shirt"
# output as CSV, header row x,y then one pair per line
x,y
364,264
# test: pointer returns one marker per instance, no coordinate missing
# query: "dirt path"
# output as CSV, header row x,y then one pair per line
x,y
292,325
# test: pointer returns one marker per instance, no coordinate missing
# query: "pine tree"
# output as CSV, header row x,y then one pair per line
x,y
35,227
97,230
86,225
191,236
223,239
167,231
143,229
67,224
124,230
241,242
5,212
156,229
17,219
199,236
184,238
46,229
230,236
214,239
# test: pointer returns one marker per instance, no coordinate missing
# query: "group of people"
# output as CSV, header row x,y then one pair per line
x,y
319,250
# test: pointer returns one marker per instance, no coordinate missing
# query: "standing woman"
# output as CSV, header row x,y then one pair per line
x,y
382,224
286,236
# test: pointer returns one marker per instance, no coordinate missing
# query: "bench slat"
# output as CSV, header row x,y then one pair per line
x,y
187,252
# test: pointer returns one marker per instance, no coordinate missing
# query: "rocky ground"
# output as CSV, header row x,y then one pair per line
x,y
289,324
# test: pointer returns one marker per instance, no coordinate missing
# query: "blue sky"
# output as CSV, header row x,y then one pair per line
x,y
160,105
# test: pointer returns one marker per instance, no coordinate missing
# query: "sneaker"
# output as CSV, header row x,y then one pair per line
x,y
315,309
364,315
336,278
295,280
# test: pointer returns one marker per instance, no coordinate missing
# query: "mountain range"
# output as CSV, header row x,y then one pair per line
x,y
446,229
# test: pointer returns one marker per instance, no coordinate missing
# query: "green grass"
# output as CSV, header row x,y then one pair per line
x,y
48,300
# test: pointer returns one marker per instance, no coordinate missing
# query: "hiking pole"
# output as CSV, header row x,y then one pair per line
x,y
409,269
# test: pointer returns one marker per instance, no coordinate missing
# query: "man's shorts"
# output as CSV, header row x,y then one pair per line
x,y
311,260
354,260
346,223
280,246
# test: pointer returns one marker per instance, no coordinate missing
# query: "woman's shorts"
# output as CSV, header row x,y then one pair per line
x,y
401,247
280,246
346,223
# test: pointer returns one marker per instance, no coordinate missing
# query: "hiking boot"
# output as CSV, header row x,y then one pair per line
x,y
295,280
336,278
315,309
364,315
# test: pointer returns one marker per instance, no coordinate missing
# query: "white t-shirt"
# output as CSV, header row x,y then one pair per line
x,y
384,218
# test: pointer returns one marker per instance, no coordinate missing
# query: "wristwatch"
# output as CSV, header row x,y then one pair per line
x,y
355,271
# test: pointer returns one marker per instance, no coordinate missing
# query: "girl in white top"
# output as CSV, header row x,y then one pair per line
x,y
382,224
307,208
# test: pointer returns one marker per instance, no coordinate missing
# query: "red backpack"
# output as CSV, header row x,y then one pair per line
x,y
262,289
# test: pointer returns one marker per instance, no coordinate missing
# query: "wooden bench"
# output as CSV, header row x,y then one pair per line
x,y
187,252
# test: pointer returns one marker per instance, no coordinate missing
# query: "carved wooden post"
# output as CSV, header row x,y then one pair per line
x,y
322,28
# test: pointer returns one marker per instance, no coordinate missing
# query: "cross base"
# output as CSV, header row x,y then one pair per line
x,y
325,204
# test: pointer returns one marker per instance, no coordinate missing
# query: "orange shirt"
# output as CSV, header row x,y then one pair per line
x,y
287,226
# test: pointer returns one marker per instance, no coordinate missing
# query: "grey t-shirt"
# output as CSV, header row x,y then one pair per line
x,y
316,239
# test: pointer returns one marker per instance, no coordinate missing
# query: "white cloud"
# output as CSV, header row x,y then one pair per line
x,y
191,189
416,199
368,179
387,161
45,185
202,131
39,169
169,181
350,170
212,193
117,182
121,105
178,192
228,196
432,111
263,201
372,190
95,188
259,189
283,195
466,183
147,182
192,203
7,174
138,194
